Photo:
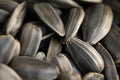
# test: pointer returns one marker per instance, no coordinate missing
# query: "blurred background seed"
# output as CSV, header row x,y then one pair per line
x,y
7,73
8,5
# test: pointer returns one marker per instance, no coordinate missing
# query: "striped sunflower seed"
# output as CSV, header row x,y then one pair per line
x,y
55,47
30,39
110,70
74,22
33,69
87,59
40,56
49,16
14,23
7,48
112,44
97,23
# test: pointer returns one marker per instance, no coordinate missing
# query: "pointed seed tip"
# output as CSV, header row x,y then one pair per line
x,y
62,34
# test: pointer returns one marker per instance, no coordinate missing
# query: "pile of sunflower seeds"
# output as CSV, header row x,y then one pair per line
x,y
59,39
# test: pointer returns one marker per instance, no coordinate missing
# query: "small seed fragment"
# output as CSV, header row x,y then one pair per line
x,y
8,5
4,15
69,76
55,47
40,56
93,76
62,62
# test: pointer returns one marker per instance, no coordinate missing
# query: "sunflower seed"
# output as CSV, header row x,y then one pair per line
x,y
97,23
87,59
7,48
111,42
62,62
16,19
33,69
55,47
40,56
49,16
110,71
6,73
17,50
93,76
74,22
30,39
